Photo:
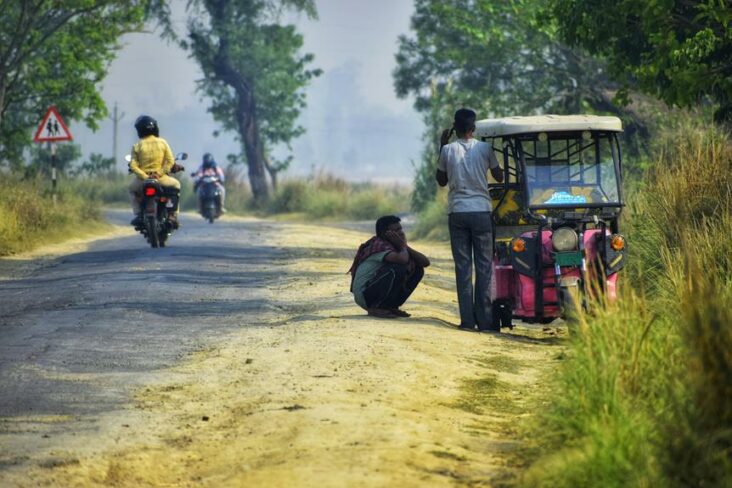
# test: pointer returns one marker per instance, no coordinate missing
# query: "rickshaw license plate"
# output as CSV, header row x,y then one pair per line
x,y
573,258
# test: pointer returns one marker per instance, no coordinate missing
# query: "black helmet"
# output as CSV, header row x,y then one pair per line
x,y
146,126
208,161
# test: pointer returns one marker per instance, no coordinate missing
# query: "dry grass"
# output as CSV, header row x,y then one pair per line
x,y
644,397
28,218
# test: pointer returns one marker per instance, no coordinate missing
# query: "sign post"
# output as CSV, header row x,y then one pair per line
x,y
52,129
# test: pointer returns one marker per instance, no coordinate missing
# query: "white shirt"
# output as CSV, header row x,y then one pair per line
x,y
466,162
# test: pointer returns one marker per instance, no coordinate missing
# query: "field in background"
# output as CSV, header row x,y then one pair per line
x,y
29,220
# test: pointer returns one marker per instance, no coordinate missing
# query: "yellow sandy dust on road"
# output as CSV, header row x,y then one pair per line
x,y
327,396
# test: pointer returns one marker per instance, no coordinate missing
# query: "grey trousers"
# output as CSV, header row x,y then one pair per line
x,y
471,239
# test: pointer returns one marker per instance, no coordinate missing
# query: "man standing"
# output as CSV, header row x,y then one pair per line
x,y
386,270
464,164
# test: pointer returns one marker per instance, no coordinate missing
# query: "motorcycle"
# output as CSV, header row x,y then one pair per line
x,y
209,197
156,204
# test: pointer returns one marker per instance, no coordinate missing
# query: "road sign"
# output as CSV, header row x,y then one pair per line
x,y
52,128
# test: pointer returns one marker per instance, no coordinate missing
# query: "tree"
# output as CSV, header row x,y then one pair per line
x,y
97,165
499,58
40,156
491,56
677,50
55,52
254,74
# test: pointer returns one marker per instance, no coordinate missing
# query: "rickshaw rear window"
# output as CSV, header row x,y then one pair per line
x,y
575,169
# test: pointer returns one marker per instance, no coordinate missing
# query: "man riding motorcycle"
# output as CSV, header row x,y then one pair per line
x,y
151,158
209,168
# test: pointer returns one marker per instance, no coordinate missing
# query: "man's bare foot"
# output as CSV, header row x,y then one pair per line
x,y
400,313
381,313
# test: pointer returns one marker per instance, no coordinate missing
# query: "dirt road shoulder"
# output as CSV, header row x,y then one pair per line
x,y
325,395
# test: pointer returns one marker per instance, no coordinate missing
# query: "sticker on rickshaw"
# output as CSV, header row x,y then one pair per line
x,y
562,197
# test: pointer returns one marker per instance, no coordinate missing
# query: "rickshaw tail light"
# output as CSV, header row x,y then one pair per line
x,y
617,242
518,245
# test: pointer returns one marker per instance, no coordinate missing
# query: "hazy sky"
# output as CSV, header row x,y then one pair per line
x,y
356,127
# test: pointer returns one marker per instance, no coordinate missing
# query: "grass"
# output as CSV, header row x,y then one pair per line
x,y
28,218
325,196
479,395
643,396
432,221
321,197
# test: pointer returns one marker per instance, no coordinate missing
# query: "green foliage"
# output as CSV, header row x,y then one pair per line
x,y
500,59
254,74
497,58
56,53
644,395
289,197
328,197
425,186
432,221
677,50
40,155
97,165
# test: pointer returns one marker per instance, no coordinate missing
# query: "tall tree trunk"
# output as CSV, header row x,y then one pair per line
x,y
246,118
249,131
3,91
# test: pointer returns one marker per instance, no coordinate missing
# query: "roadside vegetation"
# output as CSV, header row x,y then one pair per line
x,y
28,217
644,394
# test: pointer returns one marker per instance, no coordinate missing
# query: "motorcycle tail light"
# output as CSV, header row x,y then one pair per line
x,y
518,245
150,191
617,242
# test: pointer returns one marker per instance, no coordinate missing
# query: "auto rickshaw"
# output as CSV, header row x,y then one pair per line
x,y
557,240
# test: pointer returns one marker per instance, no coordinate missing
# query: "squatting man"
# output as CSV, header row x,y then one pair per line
x,y
385,270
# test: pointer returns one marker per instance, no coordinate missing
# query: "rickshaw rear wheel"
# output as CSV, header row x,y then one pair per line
x,y
502,314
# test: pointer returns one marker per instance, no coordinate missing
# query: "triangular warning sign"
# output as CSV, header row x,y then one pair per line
x,y
52,128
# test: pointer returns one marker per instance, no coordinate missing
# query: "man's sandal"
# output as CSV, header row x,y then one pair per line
x,y
381,313
400,313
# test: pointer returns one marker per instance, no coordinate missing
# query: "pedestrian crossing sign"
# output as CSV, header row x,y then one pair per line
x,y
52,128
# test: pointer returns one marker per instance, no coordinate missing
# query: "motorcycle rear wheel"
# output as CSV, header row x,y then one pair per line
x,y
163,236
151,223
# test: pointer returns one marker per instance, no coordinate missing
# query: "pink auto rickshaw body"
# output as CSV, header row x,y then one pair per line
x,y
556,214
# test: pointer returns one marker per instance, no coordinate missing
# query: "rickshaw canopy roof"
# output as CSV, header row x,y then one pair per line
x,y
508,126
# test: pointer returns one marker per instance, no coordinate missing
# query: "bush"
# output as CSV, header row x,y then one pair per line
x,y
432,222
290,196
326,196
373,202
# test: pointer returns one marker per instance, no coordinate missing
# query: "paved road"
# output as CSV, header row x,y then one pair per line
x,y
79,332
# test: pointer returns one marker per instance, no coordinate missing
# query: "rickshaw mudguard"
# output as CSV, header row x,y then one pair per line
x,y
519,280
525,296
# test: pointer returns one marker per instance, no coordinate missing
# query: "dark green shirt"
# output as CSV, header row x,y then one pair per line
x,y
364,273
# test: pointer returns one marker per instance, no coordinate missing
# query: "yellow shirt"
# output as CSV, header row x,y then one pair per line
x,y
151,155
